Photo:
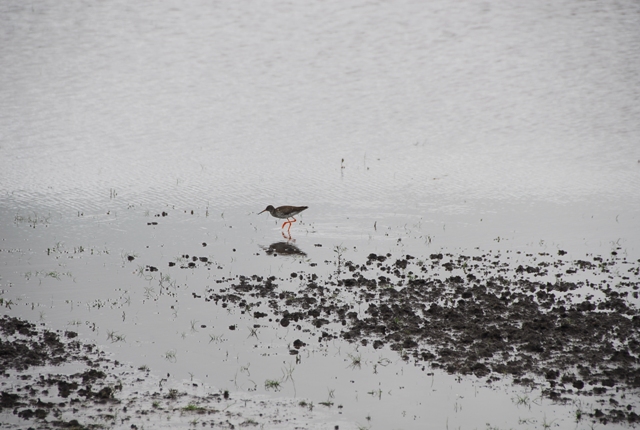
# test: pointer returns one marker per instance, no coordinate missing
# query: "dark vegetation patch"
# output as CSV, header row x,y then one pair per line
x,y
32,347
475,316
89,396
24,345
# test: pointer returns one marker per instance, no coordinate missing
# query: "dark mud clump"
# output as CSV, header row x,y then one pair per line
x,y
33,347
92,397
24,345
562,323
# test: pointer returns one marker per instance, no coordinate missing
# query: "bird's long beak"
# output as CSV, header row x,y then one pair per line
x,y
262,211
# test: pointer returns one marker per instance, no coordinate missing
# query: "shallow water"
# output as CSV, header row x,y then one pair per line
x,y
405,127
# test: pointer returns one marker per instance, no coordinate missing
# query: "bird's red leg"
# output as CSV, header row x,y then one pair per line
x,y
285,223
294,220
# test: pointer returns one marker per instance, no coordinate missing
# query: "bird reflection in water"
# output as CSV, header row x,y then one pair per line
x,y
283,248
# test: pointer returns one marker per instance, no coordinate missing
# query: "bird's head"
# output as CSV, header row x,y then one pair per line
x,y
268,208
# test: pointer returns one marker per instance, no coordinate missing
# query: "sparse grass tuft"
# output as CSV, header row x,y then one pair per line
x,y
545,424
171,356
191,407
6,303
356,361
272,384
215,338
523,400
33,221
115,337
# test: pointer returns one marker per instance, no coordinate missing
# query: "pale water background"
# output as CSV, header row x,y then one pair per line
x,y
406,126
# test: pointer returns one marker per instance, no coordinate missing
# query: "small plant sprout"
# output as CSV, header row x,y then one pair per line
x,y
149,293
32,220
245,369
192,407
578,415
287,375
545,424
579,411
114,336
287,372
523,400
339,250
215,338
356,361
253,332
171,356
166,282
305,404
272,384
6,303
53,274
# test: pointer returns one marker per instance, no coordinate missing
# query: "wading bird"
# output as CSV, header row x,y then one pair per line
x,y
285,212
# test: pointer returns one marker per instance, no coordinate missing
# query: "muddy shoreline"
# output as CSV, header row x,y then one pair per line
x,y
474,316
96,391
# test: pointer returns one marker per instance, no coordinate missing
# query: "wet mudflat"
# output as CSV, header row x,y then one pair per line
x,y
483,317
560,328
53,380
468,258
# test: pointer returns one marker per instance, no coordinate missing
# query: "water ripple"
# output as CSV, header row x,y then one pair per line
x,y
430,106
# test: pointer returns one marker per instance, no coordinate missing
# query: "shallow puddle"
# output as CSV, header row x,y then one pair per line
x,y
307,319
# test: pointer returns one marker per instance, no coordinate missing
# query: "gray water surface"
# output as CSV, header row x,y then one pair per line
x,y
406,127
